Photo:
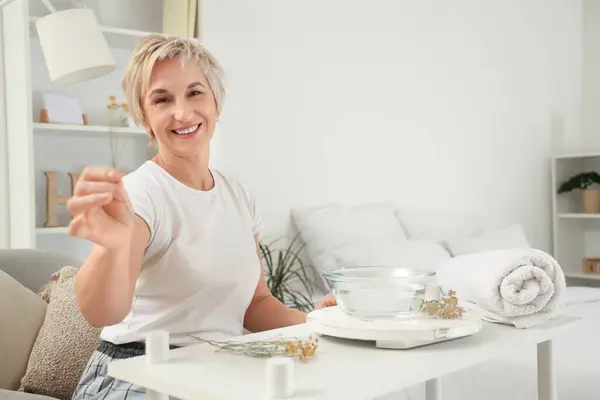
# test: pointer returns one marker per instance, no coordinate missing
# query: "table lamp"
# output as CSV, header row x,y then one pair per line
x,y
74,46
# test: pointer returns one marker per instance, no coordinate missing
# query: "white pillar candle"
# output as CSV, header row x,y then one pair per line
x,y
157,351
157,347
280,378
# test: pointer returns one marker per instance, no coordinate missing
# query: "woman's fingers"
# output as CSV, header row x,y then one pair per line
x,y
80,227
97,205
77,225
101,180
90,187
101,174
80,204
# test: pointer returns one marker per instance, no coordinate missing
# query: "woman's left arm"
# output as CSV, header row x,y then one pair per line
x,y
265,312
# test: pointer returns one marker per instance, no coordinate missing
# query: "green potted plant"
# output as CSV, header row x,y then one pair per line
x,y
583,182
283,270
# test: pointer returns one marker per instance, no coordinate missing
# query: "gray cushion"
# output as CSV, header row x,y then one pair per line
x,y
22,313
33,267
10,395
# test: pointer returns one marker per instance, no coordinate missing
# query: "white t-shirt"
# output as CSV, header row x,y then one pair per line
x,y
201,268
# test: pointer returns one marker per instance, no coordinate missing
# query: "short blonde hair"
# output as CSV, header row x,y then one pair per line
x,y
154,48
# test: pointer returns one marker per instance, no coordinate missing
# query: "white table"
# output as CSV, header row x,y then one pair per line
x,y
342,369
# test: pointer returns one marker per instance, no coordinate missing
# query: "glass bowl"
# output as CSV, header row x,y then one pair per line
x,y
378,292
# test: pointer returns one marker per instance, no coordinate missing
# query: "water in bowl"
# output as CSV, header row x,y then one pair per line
x,y
381,302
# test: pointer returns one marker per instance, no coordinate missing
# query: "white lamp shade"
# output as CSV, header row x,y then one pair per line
x,y
74,46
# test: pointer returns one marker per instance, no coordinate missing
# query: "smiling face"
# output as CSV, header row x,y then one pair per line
x,y
180,108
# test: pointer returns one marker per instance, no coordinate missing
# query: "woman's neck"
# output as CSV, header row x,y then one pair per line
x,y
191,171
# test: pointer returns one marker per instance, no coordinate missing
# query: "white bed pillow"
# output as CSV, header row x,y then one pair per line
x,y
415,254
505,238
328,230
439,225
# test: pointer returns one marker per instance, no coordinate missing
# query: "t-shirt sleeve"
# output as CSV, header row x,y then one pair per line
x,y
142,203
254,211
257,221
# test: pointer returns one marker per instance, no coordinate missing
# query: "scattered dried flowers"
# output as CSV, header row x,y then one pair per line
x,y
303,349
273,347
446,308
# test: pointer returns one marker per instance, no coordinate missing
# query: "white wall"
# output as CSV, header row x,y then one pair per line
x,y
591,101
453,105
4,215
591,74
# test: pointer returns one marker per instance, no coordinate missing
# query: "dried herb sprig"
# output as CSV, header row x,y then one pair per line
x,y
302,349
113,104
446,308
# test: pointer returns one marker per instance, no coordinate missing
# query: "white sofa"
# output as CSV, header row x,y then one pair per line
x,y
22,312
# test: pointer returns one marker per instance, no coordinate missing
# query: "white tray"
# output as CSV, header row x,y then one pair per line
x,y
393,333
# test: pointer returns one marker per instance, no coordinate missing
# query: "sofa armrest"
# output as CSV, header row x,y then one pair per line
x,y
22,314
12,395
33,267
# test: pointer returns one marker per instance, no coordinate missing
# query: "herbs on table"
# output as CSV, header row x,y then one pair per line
x,y
302,349
446,308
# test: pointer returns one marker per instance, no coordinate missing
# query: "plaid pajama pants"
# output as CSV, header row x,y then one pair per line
x,y
95,384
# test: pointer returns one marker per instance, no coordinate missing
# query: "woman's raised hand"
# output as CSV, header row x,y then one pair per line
x,y
101,209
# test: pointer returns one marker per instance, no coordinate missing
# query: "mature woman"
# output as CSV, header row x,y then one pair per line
x,y
175,242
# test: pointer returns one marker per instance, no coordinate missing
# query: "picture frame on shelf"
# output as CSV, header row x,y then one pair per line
x,y
45,119
591,266
61,109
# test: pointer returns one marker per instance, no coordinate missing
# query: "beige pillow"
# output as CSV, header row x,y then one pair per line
x,y
64,344
21,316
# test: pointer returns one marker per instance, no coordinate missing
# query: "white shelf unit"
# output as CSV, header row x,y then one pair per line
x,y
80,130
61,230
41,147
576,235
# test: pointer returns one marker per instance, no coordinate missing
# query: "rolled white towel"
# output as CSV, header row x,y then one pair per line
x,y
521,287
